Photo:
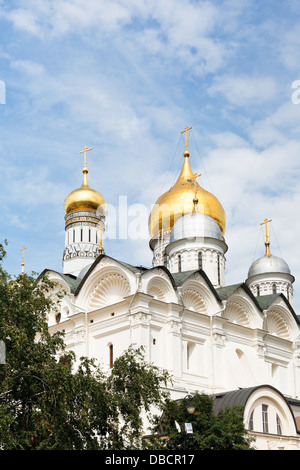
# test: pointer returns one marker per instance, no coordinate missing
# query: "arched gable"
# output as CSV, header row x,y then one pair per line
x,y
241,309
107,283
199,295
62,306
157,282
241,306
253,400
279,412
280,322
62,282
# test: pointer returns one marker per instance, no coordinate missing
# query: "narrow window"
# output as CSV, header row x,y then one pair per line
x,y
190,357
251,425
199,260
219,277
265,418
274,289
111,355
278,425
58,317
89,234
81,234
179,263
73,236
258,291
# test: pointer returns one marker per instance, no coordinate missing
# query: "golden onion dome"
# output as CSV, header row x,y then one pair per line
x,y
84,198
180,200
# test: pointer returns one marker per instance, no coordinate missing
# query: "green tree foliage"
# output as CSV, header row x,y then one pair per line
x,y
48,403
225,431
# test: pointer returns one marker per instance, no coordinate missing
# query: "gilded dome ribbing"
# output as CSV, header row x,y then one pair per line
x,y
179,200
84,198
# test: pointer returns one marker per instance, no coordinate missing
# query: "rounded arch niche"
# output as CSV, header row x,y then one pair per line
x,y
277,326
160,289
110,289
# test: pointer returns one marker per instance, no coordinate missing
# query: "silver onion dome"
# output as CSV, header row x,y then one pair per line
x,y
193,225
268,264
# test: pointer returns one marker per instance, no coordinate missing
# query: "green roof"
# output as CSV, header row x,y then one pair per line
x,y
180,278
227,291
72,281
264,301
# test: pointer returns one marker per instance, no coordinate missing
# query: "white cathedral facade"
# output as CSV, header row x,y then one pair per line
x,y
239,343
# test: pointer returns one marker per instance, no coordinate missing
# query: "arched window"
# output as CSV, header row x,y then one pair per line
x,y
219,275
251,424
274,289
199,260
58,317
190,349
278,425
179,263
111,355
265,422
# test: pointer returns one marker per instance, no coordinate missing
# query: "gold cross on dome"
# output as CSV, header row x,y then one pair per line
x,y
195,175
23,249
265,222
86,149
186,131
267,243
194,178
100,248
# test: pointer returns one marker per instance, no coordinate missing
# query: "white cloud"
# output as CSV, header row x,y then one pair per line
x,y
244,90
28,67
278,127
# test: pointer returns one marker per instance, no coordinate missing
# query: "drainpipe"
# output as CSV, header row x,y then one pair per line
x,y
224,302
265,313
182,317
138,279
86,327
294,366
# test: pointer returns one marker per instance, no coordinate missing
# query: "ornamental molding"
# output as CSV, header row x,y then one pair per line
x,y
297,360
156,291
174,326
140,318
218,339
277,326
162,273
236,313
110,289
193,300
79,335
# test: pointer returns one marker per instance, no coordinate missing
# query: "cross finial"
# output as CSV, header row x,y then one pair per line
x,y
195,175
267,243
86,149
195,200
100,248
186,131
23,264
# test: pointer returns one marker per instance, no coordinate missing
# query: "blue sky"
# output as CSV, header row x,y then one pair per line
x,y
126,77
